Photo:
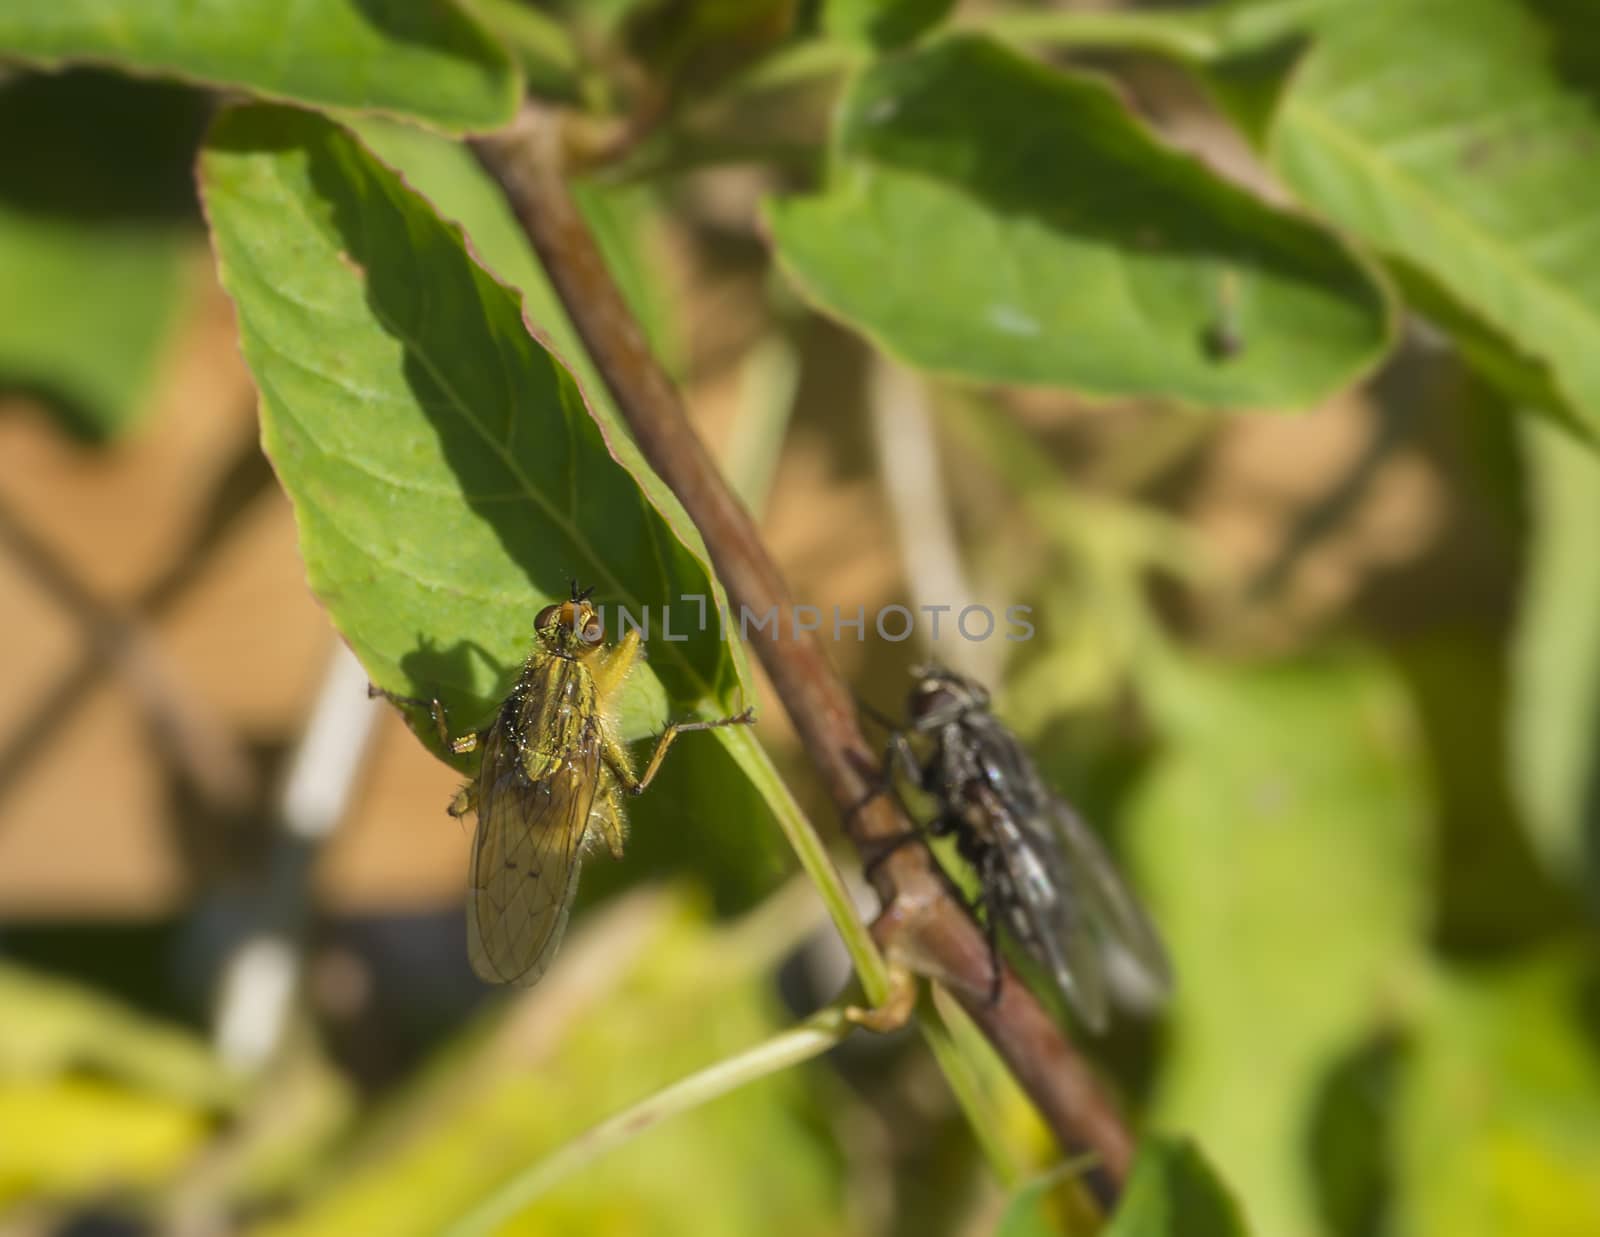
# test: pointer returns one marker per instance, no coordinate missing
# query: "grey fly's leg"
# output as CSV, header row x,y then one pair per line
x,y
988,871
896,753
897,757
883,783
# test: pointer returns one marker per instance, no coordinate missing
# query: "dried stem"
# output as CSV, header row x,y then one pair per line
x,y
922,924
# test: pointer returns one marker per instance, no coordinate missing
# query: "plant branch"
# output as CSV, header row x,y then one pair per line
x,y
922,924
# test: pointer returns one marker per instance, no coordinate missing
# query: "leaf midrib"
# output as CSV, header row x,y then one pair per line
x,y
1513,265
598,564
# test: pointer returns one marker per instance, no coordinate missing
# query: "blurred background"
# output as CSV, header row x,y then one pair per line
x,y
1295,668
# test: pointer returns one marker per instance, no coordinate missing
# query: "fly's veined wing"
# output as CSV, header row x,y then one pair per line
x,y
1049,916
1134,955
525,859
1047,921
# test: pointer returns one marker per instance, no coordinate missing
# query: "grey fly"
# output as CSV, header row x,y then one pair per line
x,y
1041,871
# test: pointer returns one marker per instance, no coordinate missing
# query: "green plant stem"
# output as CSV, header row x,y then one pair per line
x,y
818,865
967,1087
811,1038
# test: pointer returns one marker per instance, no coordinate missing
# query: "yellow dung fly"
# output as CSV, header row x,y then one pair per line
x,y
550,787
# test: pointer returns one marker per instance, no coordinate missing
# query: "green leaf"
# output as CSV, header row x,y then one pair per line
x,y
1351,1137
1173,1192
85,1136
1250,83
447,477
1498,1131
1279,841
107,1097
883,23
1491,892
96,219
429,61
1477,172
1001,1116
727,851
445,173
53,1028
1554,718
1031,1211
1518,377
991,218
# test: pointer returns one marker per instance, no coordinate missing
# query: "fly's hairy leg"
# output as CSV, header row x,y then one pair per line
x,y
617,756
609,816
466,799
609,677
612,672
460,745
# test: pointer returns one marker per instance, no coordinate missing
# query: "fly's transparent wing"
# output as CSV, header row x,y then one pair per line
x,y
1134,955
525,859
1047,921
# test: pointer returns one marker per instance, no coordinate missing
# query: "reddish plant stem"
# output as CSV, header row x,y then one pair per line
x,y
923,924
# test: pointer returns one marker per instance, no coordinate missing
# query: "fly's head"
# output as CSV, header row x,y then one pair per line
x,y
940,697
572,628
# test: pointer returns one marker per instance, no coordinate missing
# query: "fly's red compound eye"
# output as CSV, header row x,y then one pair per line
x,y
593,630
547,616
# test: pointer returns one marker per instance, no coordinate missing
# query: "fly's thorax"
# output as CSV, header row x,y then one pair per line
x,y
956,760
558,713
995,755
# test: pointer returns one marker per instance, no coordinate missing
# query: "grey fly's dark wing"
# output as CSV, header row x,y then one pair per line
x,y
1047,921
525,858
1134,956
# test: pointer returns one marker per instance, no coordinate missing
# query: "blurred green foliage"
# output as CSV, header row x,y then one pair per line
x,y
1370,840
661,996
1282,843
97,220
91,1094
